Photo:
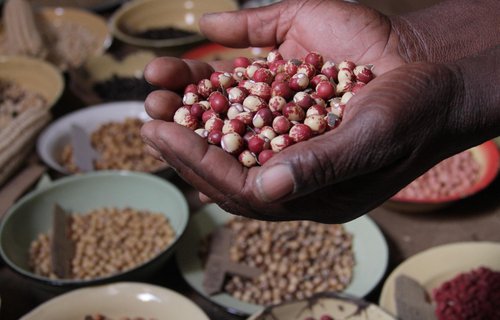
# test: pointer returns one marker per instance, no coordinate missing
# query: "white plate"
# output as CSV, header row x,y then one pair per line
x,y
122,299
333,305
434,266
53,139
370,251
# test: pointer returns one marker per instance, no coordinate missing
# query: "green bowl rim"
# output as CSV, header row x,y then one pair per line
x,y
91,175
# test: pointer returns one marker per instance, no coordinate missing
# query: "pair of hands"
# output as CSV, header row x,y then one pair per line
x,y
393,130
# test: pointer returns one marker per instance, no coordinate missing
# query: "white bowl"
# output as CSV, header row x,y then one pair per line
x,y
53,139
119,300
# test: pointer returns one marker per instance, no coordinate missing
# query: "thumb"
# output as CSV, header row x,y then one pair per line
x,y
257,27
352,150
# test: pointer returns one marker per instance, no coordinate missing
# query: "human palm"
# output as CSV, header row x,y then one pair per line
x,y
336,29
334,177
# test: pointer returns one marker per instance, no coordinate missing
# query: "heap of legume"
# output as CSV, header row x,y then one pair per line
x,y
107,241
471,295
120,147
266,105
450,177
297,259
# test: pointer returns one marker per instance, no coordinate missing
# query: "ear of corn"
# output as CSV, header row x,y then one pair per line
x,y
22,34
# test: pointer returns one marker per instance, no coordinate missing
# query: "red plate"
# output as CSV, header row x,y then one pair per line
x,y
488,157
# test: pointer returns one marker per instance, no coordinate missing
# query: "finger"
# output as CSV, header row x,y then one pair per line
x,y
204,198
355,148
259,27
154,153
175,74
373,135
208,168
161,104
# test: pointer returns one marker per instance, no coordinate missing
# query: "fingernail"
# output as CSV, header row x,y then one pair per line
x,y
275,183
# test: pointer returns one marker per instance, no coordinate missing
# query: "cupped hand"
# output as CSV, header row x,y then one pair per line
x,y
334,177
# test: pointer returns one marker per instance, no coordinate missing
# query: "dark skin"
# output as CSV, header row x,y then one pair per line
x,y
393,130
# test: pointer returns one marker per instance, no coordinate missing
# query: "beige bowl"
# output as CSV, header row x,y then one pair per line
x,y
57,23
34,75
141,15
94,24
104,67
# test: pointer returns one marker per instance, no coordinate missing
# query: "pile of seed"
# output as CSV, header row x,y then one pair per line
x,y
469,295
15,100
107,241
161,33
120,147
123,88
298,259
70,43
452,176
266,105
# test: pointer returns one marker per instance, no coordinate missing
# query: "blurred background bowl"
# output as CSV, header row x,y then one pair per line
x,y
34,75
54,138
334,305
94,26
488,159
30,88
139,16
213,52
105,78
94,5
33,214
122,300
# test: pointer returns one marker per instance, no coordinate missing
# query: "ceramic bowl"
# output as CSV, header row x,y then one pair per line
x,y
34,75
118,301
213,51
104,67
487,156
93,23
140,15
94,5
436,265
52,140
369,247
76,20
33,213
336,306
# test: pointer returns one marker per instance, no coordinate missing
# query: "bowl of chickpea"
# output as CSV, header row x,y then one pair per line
x,y
113,130
95,228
